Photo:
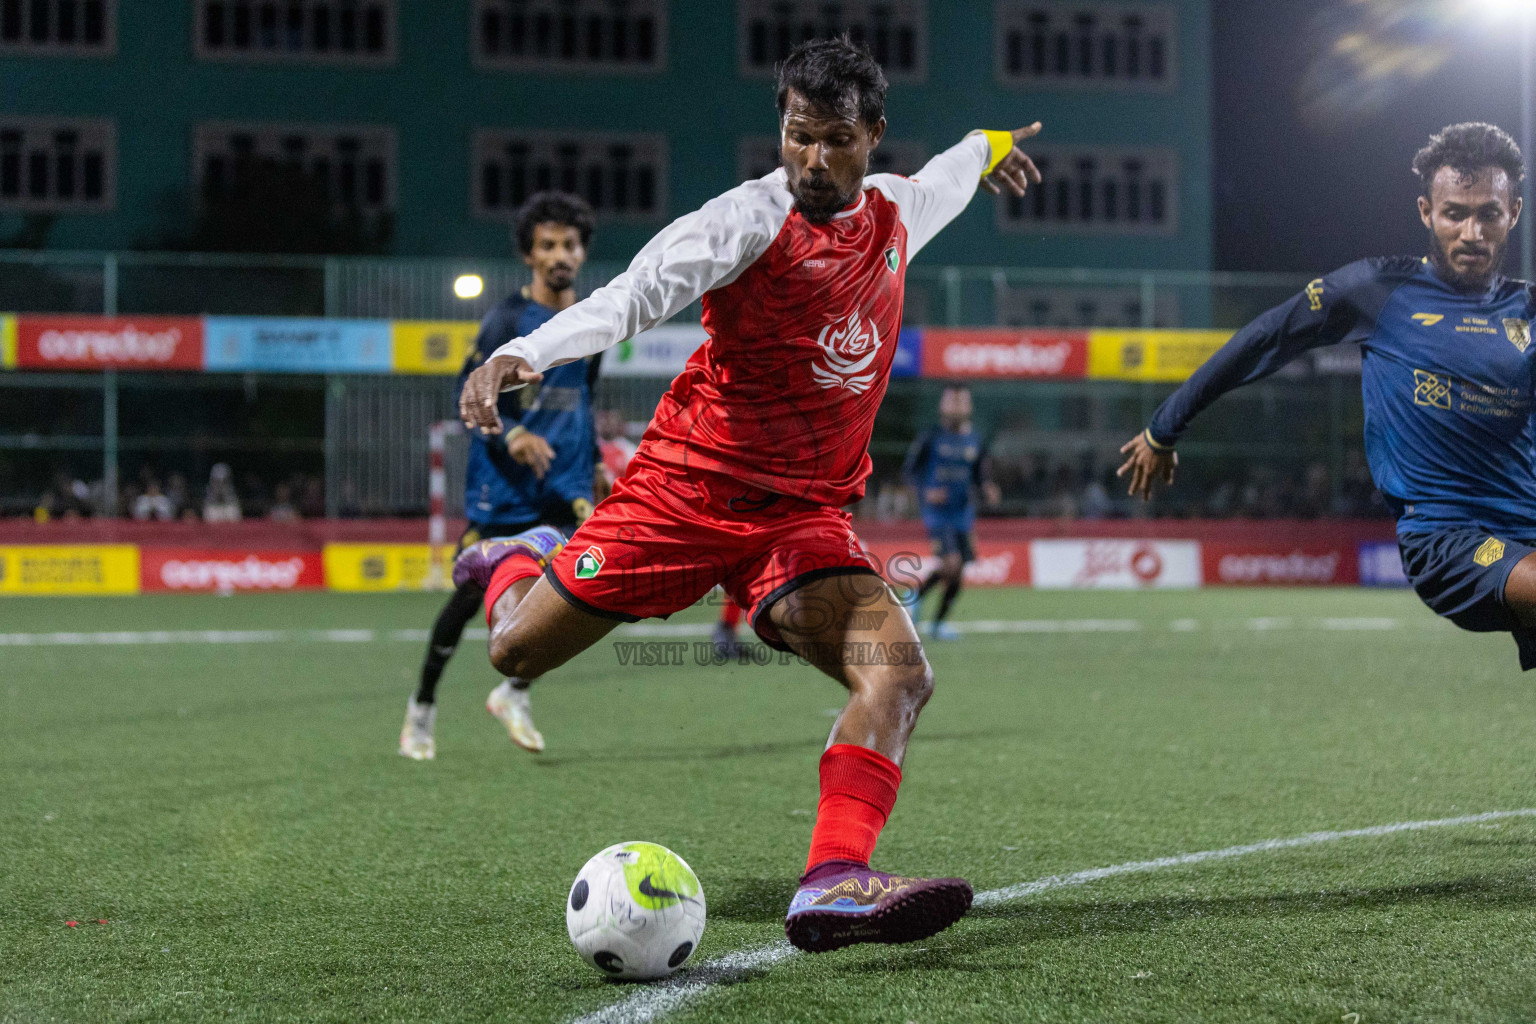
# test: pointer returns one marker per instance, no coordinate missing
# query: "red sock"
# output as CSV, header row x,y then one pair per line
x,y
516,566
730,613
858,790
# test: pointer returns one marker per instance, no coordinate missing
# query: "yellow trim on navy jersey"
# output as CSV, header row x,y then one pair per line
x,y
1153,442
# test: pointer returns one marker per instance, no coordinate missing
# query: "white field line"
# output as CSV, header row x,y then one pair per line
x,y
660,630
656,1001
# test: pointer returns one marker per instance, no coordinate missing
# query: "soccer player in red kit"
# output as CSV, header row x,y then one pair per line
x,y
741,477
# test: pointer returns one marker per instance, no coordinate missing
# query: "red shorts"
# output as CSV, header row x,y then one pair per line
x,y
667,535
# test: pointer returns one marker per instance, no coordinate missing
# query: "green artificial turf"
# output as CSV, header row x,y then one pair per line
x,y
238,815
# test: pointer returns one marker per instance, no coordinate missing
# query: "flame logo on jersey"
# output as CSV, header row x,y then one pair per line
x,y
847,349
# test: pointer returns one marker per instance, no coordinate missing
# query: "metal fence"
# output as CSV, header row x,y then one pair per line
x,y
374,442
253,285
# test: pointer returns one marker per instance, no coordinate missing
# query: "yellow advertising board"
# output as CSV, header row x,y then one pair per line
x,y
7,343
432,346
69,569
1151,355
365,568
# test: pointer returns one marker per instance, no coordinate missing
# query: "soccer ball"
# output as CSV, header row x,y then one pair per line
x,y
636,911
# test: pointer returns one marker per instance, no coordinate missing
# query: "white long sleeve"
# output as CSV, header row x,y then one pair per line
x,y
705,249
938,193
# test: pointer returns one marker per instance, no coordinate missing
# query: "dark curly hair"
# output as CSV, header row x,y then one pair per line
x,y
553,208
1469,149
835,74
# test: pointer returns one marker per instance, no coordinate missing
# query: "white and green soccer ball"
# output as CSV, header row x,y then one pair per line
x,y
636,911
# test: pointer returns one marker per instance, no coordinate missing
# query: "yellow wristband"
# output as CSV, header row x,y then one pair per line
x,y
517,428
1155,446
1001,144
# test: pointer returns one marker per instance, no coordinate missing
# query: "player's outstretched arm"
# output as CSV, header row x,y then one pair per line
x,y
1147,466
1015,171
937,193
686,259
477,399
1329,310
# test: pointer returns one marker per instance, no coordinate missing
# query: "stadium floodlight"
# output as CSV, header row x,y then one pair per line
x,y
468,286
1525,10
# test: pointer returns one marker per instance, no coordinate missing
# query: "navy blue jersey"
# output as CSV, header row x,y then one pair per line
x,y
498,488
1446,377
947,460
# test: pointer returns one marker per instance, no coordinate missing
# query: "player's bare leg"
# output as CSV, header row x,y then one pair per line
x,y
855,630
533,629
1520,590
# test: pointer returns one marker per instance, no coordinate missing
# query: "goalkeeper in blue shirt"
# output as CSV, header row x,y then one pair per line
x,y
1447,379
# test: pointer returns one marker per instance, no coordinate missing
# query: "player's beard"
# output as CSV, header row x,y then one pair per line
x,y
820,205
560,277
1465,281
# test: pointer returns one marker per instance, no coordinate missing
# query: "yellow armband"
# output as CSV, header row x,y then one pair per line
x,y
1001,144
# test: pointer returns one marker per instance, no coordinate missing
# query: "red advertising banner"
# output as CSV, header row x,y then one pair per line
x,y
996,564
100,343
1001,352
225,571
1270,565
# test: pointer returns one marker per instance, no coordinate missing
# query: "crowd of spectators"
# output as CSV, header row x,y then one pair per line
x,y
147,497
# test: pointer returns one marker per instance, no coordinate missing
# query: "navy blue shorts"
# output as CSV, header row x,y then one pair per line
x,y
951,538
1460,574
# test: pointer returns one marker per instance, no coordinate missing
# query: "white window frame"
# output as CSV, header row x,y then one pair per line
x,y
912,12
35,130
1161,163
900,156
1160,19
25,45
581,10
653,147
378,140
259,55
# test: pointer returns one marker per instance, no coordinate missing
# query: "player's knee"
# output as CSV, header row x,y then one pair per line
x,y
913,682
512,656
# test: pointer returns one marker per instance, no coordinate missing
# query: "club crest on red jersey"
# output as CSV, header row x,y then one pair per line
x,y
848,348
893,258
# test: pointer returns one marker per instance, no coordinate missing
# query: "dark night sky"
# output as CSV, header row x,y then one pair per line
x,y
1301,192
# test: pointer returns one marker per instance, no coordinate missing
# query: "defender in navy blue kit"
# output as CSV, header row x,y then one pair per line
x,y
947,467
542,469
1447,379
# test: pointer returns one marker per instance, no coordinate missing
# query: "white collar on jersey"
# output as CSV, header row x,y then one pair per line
x,y
855,208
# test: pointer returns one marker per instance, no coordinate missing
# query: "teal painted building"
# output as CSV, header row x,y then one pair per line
x,y
439,113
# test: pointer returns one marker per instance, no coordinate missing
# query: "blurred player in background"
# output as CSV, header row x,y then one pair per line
x,y
741,477
541,468
947,465
1447,378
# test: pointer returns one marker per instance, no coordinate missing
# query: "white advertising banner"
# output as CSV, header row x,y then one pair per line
x,y
659,352
1114,564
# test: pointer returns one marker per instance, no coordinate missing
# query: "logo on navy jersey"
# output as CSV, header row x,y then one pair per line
x,y
1314,291
1431,389
1491,551
892,258
848,348
1428,319
1519,332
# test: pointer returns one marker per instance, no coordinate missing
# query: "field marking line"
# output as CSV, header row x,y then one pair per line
x,y
657,1001
660,630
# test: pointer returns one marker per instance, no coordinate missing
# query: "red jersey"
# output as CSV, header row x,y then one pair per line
x,y
802,321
